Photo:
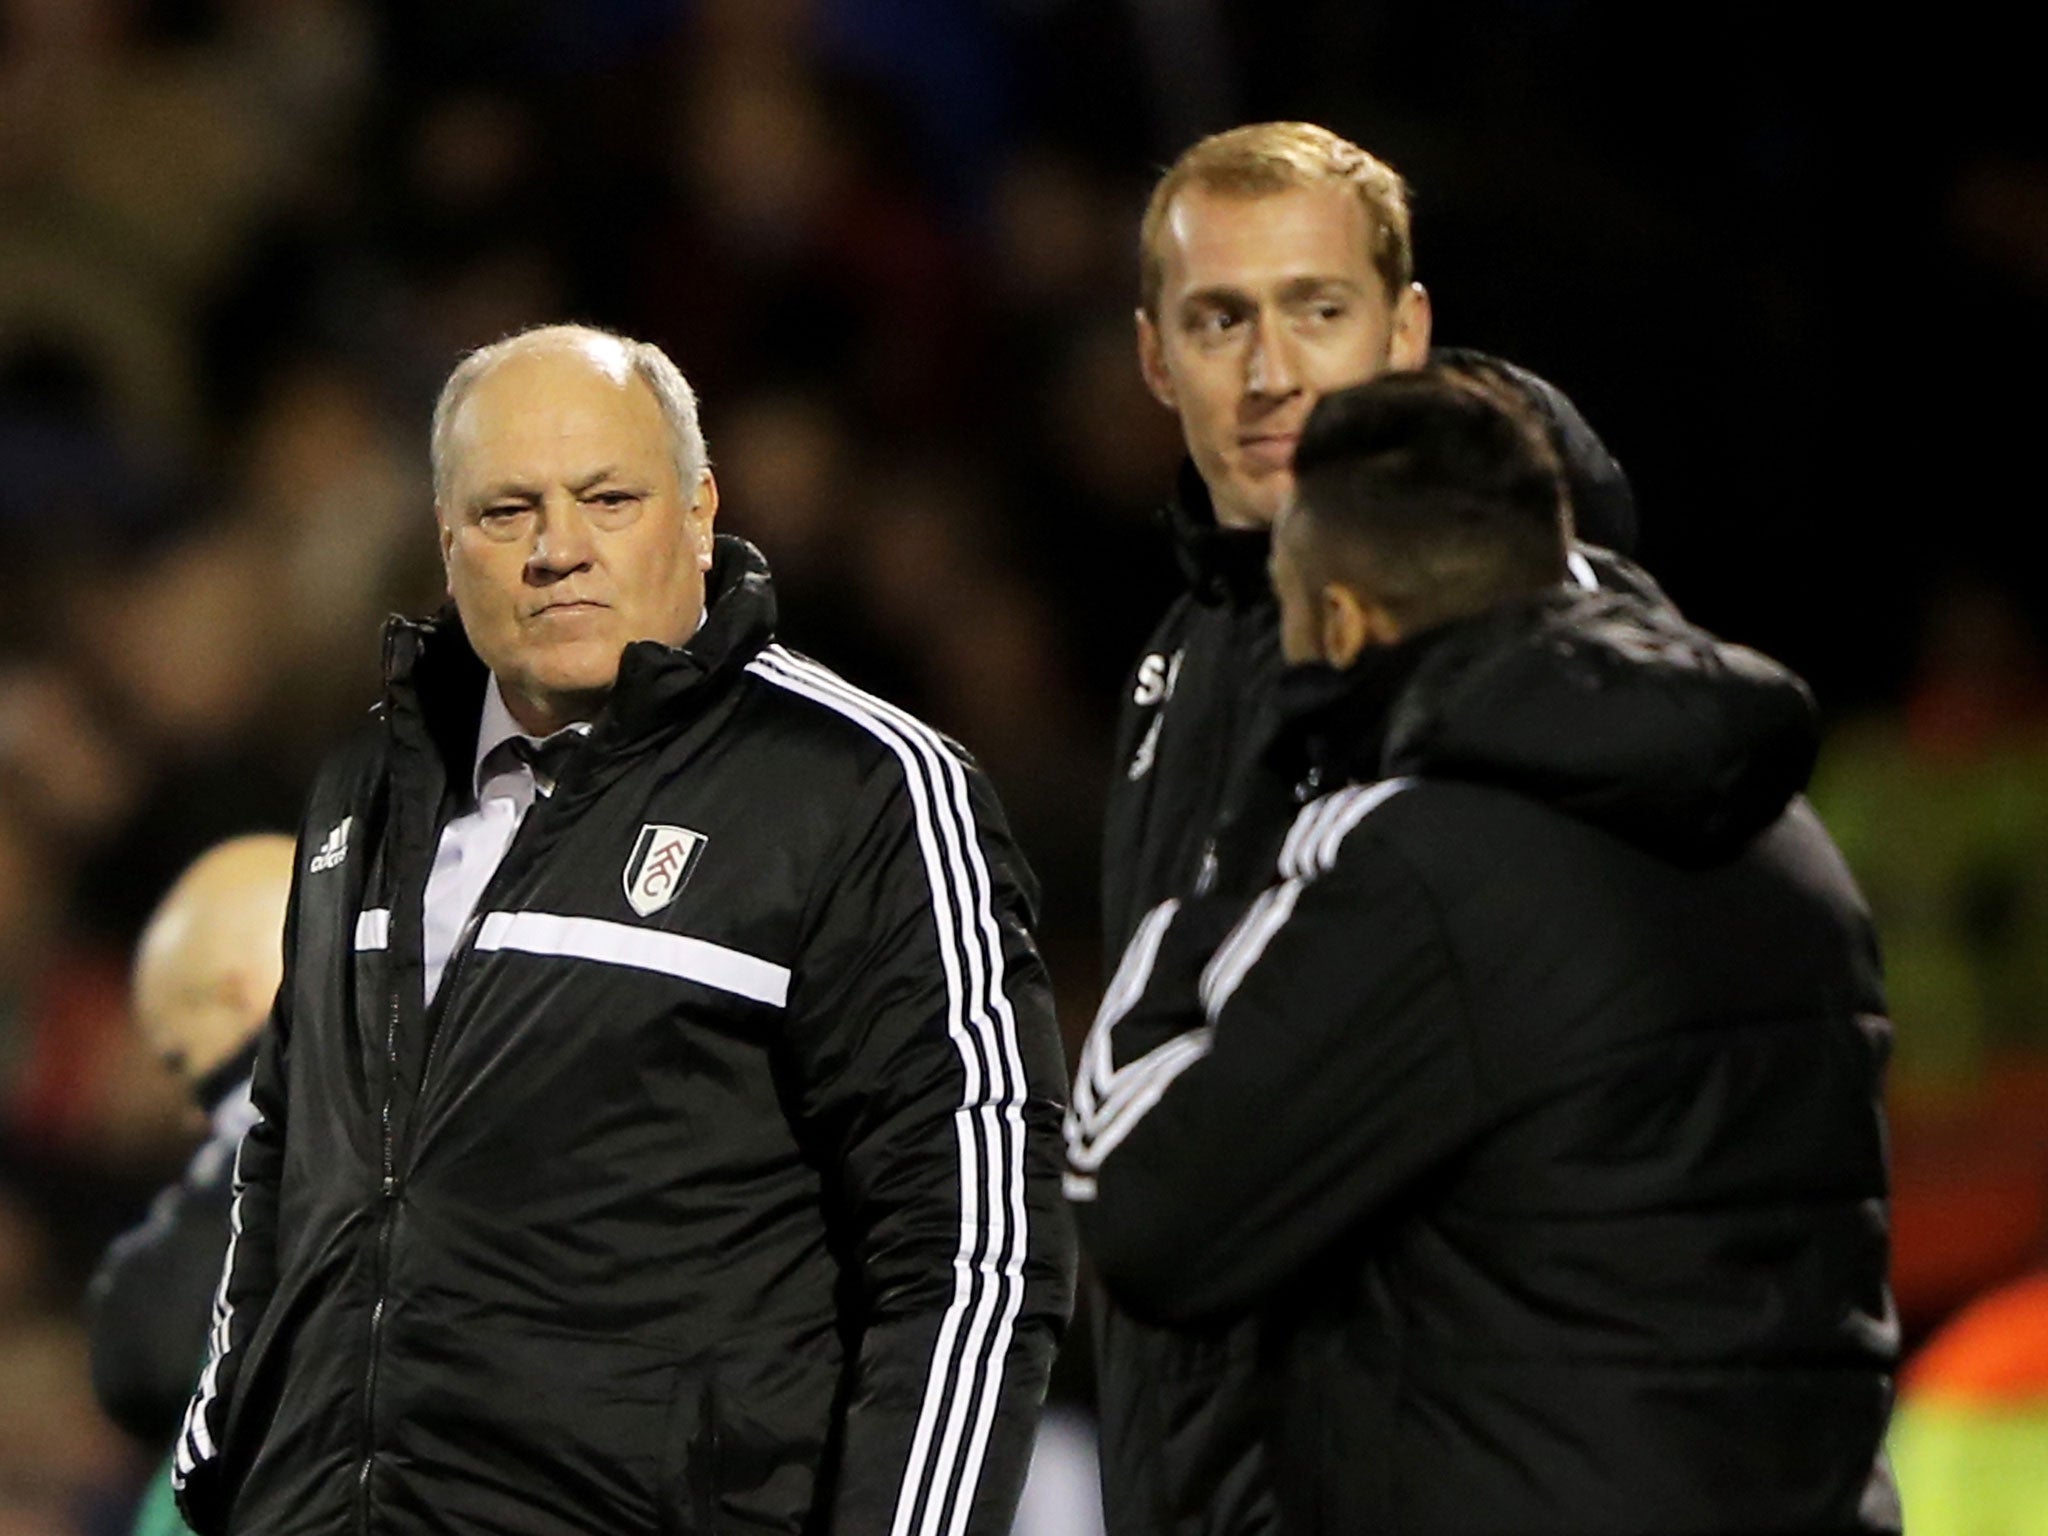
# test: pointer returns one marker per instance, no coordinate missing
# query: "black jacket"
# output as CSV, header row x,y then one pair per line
x,y
151,1298
1179,1410
736,1213
1521,1071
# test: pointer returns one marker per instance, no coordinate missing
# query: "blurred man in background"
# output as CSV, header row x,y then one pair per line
x,y
658,1125
205,976
1518,1058
1276,264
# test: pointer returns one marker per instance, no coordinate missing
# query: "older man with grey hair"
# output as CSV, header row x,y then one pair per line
x,y
658,1120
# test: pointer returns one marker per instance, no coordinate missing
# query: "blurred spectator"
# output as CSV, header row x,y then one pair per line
x,y
205,974
129,174
1941,808
339,498
1969,1443
797,232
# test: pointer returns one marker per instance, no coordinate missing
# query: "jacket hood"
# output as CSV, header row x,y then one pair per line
x,y
1596,703
1603,501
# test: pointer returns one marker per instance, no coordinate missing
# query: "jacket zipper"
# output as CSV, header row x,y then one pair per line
x,y
391,1186
387,1218
447,990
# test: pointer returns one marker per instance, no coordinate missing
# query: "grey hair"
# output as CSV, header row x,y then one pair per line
x,y
672,392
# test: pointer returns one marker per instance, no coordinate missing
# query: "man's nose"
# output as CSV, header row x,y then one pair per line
x,y
562,543
1271,368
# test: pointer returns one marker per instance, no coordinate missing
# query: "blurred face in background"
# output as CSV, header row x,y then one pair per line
x,y
1267,303
565,529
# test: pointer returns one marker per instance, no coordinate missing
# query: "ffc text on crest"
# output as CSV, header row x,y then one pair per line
x,y
663,858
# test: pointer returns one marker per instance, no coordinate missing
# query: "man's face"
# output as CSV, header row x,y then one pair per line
x,y
1268,303
566,534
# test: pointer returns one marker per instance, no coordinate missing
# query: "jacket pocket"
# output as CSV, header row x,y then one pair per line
x,y
744,1446
688,1460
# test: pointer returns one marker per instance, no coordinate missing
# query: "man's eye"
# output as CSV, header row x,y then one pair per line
x,y
500,514
612,498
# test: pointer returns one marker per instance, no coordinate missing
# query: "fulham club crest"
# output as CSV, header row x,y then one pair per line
x,y
662,860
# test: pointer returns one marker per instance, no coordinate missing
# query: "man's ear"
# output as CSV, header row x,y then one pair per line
x,y
1408,346
1152,362
703,513
1351,622
445,537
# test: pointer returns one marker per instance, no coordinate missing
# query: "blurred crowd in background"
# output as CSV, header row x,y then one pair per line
x,y
892,244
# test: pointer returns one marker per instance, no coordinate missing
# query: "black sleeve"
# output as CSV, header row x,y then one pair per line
x,y
1263,1079
151,1300
201,1475
931,1077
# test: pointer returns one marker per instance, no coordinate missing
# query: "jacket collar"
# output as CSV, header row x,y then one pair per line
x,y
1222,565
1334,723
435,683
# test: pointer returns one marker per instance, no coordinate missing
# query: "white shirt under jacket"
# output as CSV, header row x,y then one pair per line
x,y
473,844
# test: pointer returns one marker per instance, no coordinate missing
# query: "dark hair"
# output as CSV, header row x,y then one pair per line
x,y
1432,496
1603,504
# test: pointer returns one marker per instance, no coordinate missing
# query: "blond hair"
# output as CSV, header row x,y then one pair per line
x,y
1260,159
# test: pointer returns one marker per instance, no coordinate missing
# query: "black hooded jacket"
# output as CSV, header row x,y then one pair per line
x,y
1518,1067
1180,1448
719,1202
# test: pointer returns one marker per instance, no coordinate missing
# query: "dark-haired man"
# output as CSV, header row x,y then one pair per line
x,y
1520,1068
1276,264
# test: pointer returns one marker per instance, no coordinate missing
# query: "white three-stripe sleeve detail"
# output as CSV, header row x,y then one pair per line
x,y
988,1004
1309,852
1110,1101
1362,802
957,1413
961,846
1142,1082
195,1439
1248,940
647,949
1093,1083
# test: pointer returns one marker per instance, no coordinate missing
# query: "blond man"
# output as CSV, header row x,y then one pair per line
x,y
1276,265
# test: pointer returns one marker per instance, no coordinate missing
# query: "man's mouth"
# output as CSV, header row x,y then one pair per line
x,y
1269,450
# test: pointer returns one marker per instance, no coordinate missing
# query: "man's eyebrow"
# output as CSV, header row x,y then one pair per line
x,y
1223,298
1293,290
504,490
591,481
1314,284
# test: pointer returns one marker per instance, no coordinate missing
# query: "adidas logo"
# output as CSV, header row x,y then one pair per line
x,y
334,849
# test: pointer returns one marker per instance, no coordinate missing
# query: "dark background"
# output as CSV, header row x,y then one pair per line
x,y
1793,268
